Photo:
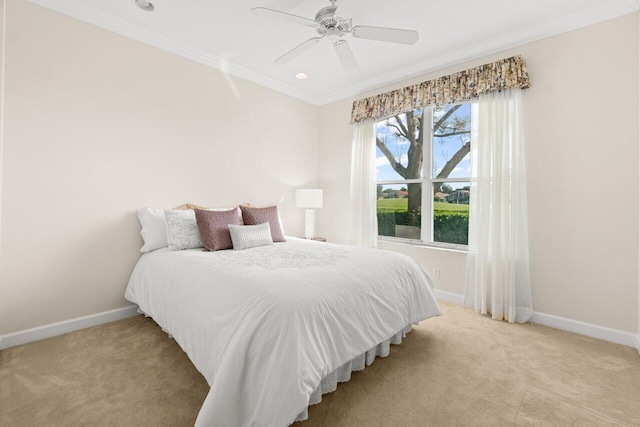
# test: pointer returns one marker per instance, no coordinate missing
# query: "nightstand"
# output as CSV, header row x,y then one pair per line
x,y
317,239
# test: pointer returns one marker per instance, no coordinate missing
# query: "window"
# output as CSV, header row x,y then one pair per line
x,y
423,175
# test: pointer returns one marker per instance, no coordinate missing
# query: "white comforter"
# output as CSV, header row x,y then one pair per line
x,y
265,325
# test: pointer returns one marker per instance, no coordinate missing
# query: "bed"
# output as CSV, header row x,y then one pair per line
x,y
273,328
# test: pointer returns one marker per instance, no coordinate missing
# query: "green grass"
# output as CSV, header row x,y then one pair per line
x,y
400,205
450,207
392,205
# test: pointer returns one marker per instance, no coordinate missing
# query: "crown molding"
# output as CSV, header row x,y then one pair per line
x,y
583,18
589,16
108,21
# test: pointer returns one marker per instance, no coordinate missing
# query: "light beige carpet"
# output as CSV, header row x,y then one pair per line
x,y
458,369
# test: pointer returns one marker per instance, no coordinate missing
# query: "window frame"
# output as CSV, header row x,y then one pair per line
x,y
426,233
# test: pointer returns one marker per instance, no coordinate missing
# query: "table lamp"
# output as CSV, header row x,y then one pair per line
x,y
309,200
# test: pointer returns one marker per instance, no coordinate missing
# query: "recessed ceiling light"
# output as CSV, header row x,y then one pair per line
x,y
301,76
144,5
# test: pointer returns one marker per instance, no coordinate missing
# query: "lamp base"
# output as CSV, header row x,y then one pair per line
x,y
309,223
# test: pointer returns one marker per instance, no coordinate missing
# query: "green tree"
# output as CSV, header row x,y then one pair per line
x,y
409,127
446,188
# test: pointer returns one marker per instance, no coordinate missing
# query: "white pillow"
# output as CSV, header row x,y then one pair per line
x,y
250,236
154,229
182,230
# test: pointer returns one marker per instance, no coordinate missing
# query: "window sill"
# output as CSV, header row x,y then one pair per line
x,y
408,242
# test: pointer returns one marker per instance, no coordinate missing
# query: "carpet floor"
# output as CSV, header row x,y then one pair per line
x,y
458,369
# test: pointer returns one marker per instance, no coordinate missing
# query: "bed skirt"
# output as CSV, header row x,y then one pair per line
x,y
343,373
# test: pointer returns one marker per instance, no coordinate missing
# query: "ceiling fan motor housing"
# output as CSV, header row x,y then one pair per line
x,y
330,24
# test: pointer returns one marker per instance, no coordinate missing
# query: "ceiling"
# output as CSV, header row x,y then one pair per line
x,y
225,35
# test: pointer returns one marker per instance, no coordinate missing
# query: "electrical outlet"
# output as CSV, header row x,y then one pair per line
x,y
436,273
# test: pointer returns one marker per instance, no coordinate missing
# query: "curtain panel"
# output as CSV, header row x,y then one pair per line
x,y
498,278
509,73
363,219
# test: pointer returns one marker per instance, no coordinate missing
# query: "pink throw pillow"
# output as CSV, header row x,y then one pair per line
x,y
255,216
214,228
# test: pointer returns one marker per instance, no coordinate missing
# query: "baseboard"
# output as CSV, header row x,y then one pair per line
x,y
47,331
449,297
608,334
59,328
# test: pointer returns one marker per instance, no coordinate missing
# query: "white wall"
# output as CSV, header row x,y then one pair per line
x,y
97,126
2,115
582,156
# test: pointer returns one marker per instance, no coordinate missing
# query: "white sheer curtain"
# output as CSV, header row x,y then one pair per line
x,y
498,279
363,221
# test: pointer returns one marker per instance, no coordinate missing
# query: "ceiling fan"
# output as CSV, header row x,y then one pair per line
x,y
328,24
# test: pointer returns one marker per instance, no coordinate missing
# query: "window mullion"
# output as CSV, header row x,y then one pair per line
x,y
448,231
465,179
400,182
426,225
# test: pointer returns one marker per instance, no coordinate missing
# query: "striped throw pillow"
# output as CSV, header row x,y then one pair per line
x,y
250,236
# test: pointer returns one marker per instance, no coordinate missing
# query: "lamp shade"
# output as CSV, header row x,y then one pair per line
x,y
308,199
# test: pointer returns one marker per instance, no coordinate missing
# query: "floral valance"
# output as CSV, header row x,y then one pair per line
x,y
464,85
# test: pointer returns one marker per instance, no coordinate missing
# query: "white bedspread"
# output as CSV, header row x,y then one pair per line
x,y
265,325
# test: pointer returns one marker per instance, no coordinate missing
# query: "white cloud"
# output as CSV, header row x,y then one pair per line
x,y
381,161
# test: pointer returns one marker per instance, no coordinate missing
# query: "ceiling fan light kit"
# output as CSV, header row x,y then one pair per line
x,y
328,24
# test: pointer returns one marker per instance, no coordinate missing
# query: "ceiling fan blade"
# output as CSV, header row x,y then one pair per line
x,y
392,35
271,13
346,57
302,47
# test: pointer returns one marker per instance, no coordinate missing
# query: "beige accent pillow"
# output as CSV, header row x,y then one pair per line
x,y
186,206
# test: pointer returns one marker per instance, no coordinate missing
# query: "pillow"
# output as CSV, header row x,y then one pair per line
x,y
213,227
254,216
154,229
250,236
186,206
182,230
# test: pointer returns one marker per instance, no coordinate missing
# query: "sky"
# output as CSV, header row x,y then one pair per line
x,y
443,150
